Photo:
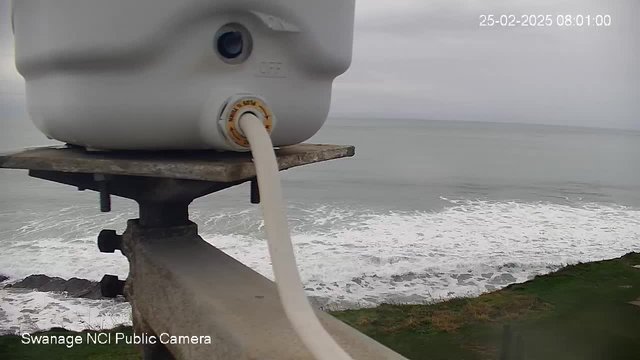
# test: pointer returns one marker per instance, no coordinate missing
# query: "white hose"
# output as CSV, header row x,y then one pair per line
x,y
295,302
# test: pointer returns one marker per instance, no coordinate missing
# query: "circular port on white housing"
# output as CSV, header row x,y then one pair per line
x,y
232,111
233,43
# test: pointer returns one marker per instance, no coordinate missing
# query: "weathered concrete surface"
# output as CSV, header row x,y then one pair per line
x,y
181,285
191,165
74,287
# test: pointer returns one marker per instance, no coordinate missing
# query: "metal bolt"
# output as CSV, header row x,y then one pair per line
x,y
109,241
105,193
111,287
255,191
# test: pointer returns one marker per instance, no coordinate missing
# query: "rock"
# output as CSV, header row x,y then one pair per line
x,y
509,266
83,288
502,279
404,277
404,299
54,284
32,282
462,279
74,287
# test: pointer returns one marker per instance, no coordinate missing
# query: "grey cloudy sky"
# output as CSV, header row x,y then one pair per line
x,y
431,59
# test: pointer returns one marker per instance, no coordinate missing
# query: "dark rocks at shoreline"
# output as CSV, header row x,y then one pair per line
x,y
74,287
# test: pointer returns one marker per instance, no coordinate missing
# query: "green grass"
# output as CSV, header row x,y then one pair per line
x,y
580,312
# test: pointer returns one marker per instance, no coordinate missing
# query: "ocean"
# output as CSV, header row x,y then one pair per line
x,y
426,210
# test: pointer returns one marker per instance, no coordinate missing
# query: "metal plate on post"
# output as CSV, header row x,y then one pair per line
x,y
207,165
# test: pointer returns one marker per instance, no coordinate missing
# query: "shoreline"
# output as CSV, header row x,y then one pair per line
x,y
84,296
557,309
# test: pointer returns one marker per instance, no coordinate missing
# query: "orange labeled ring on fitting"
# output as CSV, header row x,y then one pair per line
x,y
240,107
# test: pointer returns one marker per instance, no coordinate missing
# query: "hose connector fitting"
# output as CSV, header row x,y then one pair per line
x,y
231,112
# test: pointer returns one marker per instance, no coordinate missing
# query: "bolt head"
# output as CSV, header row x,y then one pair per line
x,y
111,286
109,241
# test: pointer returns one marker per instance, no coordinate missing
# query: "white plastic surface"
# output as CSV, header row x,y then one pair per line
x,y
143,74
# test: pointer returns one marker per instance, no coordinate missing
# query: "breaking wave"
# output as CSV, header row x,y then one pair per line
x,y
347,257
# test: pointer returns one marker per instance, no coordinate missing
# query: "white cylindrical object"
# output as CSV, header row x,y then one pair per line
x,y
151,74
